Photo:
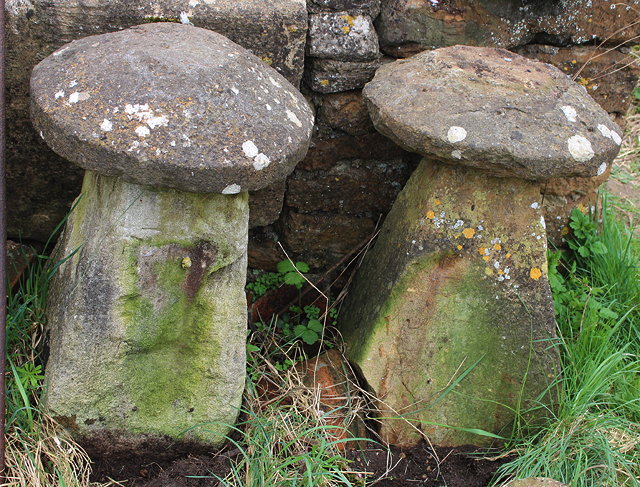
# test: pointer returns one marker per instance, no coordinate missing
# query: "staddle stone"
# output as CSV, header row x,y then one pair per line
x,y
450,317
147,314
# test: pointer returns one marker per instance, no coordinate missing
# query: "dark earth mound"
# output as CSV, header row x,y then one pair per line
x,y
420,466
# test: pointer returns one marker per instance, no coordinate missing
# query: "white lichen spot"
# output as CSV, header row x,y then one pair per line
x,y
292,116
616,138
268,107
41,135
142,131
73,83
570,113
57,53
78,96
250,150
193,3
456,154
580,148
235,90
261,161
154,122
602,168
535,205
184,18
59,94
231,189
458,224
543,224
604,131
274,82
508,59
172,143
456,134
106,125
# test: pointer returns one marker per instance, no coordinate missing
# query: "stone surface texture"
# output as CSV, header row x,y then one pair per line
x,y
609,75
371,7
492,109
331,76
40,184
456,283
342,36
406,27
185,117
346,112
147,317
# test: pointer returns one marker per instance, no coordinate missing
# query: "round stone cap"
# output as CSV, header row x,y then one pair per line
x,y
170,105
495,110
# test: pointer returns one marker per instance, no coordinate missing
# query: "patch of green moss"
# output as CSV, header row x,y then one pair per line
x,y
170,352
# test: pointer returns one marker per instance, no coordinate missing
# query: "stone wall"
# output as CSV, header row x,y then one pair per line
x,y
330,48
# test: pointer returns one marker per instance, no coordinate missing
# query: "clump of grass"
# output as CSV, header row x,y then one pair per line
x,y
38,451
592,436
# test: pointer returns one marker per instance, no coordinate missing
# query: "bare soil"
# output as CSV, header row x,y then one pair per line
x,y
419,466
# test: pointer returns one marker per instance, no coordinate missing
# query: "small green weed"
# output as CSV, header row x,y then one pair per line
x,y
288,273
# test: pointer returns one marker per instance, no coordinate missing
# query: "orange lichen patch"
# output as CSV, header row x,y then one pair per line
x,y
481,250
468,232
497,247
488,271
459,247
508,256
437,202
500,272
486,258
431,215
565,230
535,273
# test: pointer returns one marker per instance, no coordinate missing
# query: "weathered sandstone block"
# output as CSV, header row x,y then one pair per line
x,y
147,316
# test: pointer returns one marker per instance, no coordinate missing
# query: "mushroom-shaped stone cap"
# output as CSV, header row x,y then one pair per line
x,y
492,109
171,105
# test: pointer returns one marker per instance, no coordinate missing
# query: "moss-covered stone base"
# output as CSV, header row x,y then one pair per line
x,y
147,318
450,318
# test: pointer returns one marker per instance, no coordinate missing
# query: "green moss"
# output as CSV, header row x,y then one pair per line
x,y
170,351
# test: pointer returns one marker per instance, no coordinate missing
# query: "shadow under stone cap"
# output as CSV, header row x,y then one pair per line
x,y
495,110
170,105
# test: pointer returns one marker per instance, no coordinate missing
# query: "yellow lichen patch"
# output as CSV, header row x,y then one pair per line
x,y
564,230
468,232
292,28
497,247
267,60
488,271
186,263
583,81
508,256
481,250
582,208
437,202
500,272
430,215
486,258
535,273
459,247
324,82
349,19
